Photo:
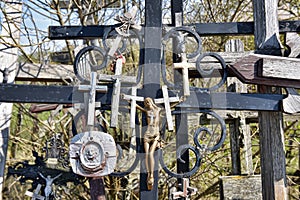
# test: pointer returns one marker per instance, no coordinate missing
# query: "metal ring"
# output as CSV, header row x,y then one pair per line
x,y
189,30
106,34
223,133
189,56
185,174
209,72
82,72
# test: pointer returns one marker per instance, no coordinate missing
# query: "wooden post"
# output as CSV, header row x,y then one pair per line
x,y
239,121
8,60
116,95
273,173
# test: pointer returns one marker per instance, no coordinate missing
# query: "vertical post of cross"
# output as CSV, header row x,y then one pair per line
x,y
181,121
151,78
273,172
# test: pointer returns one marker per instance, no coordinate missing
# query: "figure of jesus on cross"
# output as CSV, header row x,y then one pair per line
x,y
151,137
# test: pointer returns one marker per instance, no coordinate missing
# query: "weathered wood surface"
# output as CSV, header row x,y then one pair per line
x,y
116,95
291,104
273,172
43,72
246,69
292,40
241,187
278,67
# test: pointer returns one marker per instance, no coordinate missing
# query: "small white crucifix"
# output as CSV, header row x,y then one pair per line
x,y
186,192
90,102
35,195
185,66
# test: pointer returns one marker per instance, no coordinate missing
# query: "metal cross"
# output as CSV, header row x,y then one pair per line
x,y
35,195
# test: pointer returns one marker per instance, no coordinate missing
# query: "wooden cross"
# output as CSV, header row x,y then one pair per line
x,y
116,95
184,65
187,191
35,195
91,103
133,99
166,100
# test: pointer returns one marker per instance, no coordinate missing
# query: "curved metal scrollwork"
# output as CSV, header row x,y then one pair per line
x,y
94,58
210,71
176,34
179,37
213,143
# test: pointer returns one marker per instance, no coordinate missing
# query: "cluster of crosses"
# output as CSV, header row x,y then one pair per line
x,y
94,153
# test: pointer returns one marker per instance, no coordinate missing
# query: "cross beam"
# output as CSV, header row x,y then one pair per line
x,y
228,28
65,95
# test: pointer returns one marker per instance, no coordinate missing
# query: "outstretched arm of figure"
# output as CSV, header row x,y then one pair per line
x,y
140,108
42,175
57,176
173,105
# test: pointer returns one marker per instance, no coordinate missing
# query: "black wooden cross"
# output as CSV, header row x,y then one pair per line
x,y
151,83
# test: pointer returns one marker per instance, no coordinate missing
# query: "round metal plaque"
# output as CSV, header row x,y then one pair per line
x,y
91,156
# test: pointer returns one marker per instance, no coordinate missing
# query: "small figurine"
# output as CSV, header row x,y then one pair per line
x,y
49,182
151,137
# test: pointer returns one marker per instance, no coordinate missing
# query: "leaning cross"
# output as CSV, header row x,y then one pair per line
x,y
184,65
187,191
90,102
116,94
35,195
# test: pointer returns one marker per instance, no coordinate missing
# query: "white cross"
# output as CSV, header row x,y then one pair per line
x,y
116,95
184,65
91,101
133,99
35,195
166,100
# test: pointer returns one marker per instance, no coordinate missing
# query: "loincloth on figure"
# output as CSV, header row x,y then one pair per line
x,y
152,134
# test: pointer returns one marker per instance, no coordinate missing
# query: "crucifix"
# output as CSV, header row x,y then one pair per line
x,y
166,100
49,182
35,195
